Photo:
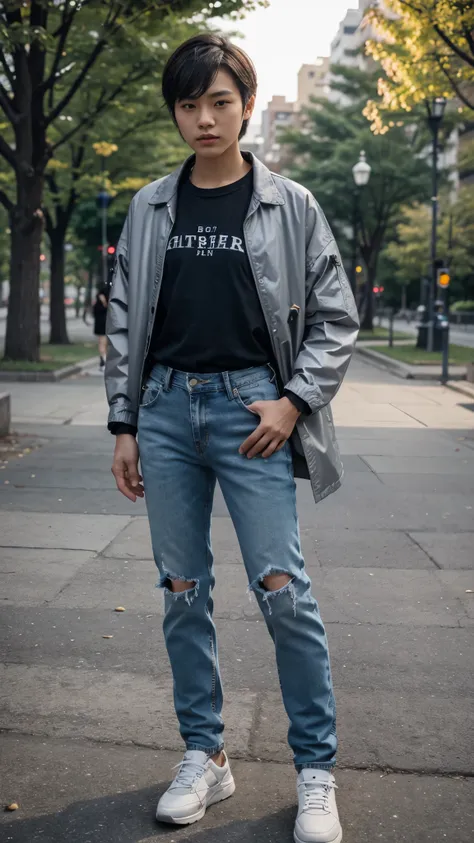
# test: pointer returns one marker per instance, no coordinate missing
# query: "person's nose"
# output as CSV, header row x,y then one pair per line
x,y
206,119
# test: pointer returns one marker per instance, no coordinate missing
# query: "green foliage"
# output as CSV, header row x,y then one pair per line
x,y
409,251
52,357
463,306
458,354
426,49
327,148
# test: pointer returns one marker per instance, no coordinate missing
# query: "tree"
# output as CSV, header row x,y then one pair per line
x,y
409,252
49,51
426,48
327,148
138,127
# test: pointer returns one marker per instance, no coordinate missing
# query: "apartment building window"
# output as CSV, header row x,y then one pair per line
x,y
349,30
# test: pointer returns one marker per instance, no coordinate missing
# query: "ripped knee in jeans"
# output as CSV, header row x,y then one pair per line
x,y
273,583
179,587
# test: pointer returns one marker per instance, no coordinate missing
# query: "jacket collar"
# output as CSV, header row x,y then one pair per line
x,y
264,188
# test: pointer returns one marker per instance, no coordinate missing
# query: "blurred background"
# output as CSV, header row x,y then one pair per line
x,y
370,107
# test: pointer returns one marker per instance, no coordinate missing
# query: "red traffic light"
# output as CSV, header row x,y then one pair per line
x,y
111,250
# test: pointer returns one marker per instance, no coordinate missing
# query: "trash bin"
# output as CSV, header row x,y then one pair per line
x,y
440,320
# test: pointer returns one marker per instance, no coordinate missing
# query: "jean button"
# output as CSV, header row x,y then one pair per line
x,y
193,382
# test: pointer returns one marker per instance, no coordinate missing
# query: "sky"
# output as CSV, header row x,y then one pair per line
x,y
282,37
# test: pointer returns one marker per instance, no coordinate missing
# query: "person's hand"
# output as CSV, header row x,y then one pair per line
x,y
125,467
277,422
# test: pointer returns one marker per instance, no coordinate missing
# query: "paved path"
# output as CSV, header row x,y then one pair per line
x,y
89,731
457,335
78,331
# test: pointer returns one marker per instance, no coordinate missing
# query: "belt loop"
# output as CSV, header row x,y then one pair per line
x,y
273,377
228,385
168,379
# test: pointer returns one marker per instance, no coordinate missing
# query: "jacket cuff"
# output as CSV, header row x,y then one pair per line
x,y
310,394
297,402
116,428
122,415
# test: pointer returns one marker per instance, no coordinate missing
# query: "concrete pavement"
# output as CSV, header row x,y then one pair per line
x,y
458,334
89,730
77,329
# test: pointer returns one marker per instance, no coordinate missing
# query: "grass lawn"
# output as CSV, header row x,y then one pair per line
x,y
52,357
458,354
382,334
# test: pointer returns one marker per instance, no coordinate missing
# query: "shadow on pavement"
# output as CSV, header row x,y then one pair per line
x,y
129,818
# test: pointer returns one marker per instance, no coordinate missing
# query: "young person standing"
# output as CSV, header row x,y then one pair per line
x,y
231,324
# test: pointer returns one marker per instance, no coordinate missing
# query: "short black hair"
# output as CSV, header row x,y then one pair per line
x,y
192,68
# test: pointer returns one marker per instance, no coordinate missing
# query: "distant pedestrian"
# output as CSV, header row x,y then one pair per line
x,y
231,325
100,318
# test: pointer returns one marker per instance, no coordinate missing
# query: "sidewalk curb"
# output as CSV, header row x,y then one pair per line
x,y
47,377
462,388
402,370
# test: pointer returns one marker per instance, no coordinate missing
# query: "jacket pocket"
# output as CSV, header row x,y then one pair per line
x,y
342,278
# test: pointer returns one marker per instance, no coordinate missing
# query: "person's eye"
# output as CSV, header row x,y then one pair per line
x,y
187,106
222,102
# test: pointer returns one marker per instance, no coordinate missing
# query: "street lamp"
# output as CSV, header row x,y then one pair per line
x,y
361,173
435,108
104,150
103,201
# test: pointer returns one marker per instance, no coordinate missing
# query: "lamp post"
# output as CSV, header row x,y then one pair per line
x,y
103,200
104,150
435,108
361,173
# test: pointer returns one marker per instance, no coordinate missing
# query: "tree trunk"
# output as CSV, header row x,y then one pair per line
x,y
404,298
57,309
23,319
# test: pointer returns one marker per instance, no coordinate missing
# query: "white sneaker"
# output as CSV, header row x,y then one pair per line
x,y
198,784
317,820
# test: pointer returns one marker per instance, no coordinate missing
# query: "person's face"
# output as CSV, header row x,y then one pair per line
x,y
212,123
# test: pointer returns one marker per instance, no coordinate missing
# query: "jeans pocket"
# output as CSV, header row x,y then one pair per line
x,y
262,390
151,393
242,403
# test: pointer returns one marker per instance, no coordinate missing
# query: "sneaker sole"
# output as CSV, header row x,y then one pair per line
x,y
334,840
220,794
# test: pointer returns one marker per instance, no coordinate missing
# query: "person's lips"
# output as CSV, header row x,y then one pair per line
x,y
208,138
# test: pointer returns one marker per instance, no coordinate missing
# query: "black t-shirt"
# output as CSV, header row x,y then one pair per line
x,y
209,317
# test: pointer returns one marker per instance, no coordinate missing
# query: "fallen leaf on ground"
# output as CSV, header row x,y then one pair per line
x,y
119,609
12,807
107,636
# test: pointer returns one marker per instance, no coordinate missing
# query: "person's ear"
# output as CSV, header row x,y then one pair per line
x,y
248,110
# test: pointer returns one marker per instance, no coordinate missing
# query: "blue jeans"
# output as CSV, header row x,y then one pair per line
x,y
190,428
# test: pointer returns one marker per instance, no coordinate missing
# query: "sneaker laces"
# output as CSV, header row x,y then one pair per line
x,y
316,796
190,771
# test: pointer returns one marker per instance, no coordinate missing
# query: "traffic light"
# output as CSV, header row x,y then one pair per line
x,y
443,277
110,263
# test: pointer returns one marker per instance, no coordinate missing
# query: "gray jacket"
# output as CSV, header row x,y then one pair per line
x,y
303,289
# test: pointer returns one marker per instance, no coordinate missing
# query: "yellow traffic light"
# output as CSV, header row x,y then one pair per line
x,y
358,269
444,278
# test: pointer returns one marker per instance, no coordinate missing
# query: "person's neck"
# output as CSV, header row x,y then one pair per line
x,y
218,172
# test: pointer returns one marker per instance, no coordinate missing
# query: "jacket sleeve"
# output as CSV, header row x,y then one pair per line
x,y
116,367
331,320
